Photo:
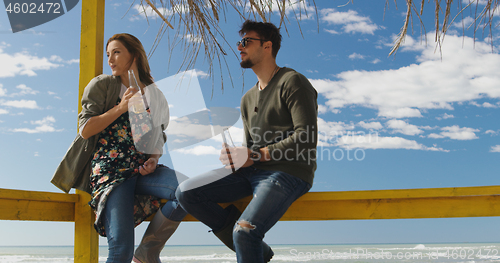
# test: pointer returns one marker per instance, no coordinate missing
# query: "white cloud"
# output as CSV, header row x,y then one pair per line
x,y
467,71
330,131
399,112
464,23
292,9
184,127
333,127
145,10
3,92
376,61
483,105
56,58
479,2
331,31
495,149
200,150
403,127
350,21
371,125
193,38
22,63
73,61
376,142
202,74
456,133
237,135
322,109
492,132
25,90
44,125
436,136
24,104
488,105
355,55
2,111
445,116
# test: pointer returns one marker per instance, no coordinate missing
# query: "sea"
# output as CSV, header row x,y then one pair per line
x,y
409,253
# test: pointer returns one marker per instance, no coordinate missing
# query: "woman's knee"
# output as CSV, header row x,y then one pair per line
x,y
173,210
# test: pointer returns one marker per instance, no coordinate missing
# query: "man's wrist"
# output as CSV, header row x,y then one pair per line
x,y
255,156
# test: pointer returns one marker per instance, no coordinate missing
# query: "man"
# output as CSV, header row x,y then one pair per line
x,y
276,164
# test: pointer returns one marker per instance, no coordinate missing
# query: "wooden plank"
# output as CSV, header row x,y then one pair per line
x,y
468,206
442,207
392,204
379,204
446,207
11,209
37,196
403,193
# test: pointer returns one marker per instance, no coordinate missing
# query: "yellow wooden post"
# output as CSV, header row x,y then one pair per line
x,y
91,43
86,238
91,55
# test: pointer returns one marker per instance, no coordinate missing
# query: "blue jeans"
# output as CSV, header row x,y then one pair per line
x,y
118,214
273,192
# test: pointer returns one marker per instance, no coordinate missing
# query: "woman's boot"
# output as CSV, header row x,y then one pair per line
x,y
158,232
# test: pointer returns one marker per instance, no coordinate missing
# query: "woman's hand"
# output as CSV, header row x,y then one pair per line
x,y
98,123
123,106
149,166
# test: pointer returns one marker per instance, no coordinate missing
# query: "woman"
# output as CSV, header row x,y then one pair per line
x,y
125,183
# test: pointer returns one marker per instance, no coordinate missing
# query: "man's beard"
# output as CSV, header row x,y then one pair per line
x,y
246,63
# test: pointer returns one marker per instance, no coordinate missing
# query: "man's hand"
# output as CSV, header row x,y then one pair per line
x,y
235,157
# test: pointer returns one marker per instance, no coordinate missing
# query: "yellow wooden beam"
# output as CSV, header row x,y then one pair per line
x,y
392,204
11,209
404,193
37,196
373,204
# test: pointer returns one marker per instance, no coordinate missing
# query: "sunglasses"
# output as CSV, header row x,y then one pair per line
x,y
243,42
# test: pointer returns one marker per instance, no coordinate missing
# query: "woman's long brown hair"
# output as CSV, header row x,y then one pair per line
x,y
135,48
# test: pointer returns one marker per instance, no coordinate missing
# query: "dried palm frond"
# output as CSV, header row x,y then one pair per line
x,y
197,30
482,19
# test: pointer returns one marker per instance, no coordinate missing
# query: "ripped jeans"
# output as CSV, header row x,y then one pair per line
x,y
273,192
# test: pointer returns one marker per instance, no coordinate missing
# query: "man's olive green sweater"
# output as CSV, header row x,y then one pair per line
x,y
283,117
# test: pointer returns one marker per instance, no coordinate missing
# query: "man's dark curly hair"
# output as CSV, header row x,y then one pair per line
x,y
266,31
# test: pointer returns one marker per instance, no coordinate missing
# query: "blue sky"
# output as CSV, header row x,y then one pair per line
x,y
419,119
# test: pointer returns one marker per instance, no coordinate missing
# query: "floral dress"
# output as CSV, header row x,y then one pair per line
x,y
116,160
